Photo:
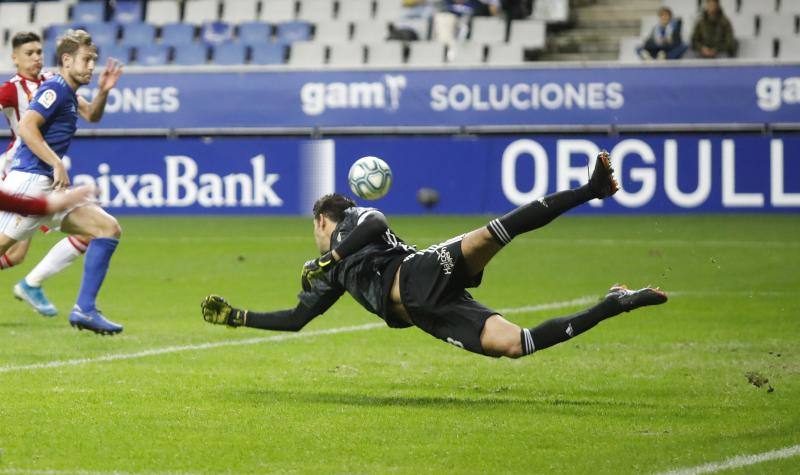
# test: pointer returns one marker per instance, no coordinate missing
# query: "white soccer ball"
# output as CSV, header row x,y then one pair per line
x,y
370,178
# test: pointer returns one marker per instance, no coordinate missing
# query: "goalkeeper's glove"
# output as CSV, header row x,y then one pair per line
x,y
218,311
314,269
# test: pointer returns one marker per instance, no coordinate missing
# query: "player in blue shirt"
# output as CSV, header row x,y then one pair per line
x,y
46,130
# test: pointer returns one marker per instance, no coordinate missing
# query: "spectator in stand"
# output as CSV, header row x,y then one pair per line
x,y
713,35
664,41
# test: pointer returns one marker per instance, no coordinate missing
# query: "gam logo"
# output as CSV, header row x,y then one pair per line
x,y
317,97
773,93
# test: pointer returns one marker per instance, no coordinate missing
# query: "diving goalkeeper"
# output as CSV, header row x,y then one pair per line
x,y
361,255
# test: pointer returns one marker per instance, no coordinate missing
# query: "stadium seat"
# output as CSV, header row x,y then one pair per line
x,y
138,33
49,13
200,11
683,8
103,33
743,25
776,25
268,53
119,52
528,33
627,48
175,34
789,6
502,54
387,54
152,55
13,14
89,12
316,11
420,25
6,62
446,27
389,9
254,32
551,11
759,7
292,31
216,33
355,10
488,30
424,53
127,11
192,54
789,48
307,54
466,54
370,31
730,7
646,25
756,48
162,12
239,11
54,31
346,54
332,32
230,54
278,11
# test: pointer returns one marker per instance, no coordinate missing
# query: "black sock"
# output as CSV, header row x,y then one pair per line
x,y
557,330
537,213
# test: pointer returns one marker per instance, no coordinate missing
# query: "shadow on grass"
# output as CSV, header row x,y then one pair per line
x,y
399,400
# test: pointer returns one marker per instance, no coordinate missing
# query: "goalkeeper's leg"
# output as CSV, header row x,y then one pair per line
x,y
480,245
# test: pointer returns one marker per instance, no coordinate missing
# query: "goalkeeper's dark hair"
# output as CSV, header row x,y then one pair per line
x,y
333,206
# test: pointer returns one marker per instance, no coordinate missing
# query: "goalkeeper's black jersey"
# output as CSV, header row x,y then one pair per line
x,y
367,274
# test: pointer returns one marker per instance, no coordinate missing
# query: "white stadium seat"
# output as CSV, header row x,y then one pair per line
x,y
50,13
277,11
789,48
488,30
551,11
161,12
424,53
466,54
389,9
646,25
502,54
776,25
789,6
756,48
201,11
355,10
759,7
332,32
370,31
729,6
387,54
346,54
528,33
316,11
12,14
682,8
743,25
307,54
627,48
239,11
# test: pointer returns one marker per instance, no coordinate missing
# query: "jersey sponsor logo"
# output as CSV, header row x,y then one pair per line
x,y
445,260
48,98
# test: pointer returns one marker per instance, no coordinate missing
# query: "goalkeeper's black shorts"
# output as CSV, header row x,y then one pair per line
x,y
432,288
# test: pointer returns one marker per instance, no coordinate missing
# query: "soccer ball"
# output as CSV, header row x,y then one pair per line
x,y
370,178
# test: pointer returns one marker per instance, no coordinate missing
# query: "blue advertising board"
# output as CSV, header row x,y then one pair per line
x,y
568,95
659,173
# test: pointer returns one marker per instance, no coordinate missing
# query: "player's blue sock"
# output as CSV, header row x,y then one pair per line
x,y
98,256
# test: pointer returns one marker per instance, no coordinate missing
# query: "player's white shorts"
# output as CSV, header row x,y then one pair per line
x,y
19,227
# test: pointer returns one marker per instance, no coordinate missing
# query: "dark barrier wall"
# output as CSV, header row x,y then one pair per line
x,y
485,174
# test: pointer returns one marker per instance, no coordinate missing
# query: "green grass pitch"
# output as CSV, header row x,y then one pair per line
x,y
654,390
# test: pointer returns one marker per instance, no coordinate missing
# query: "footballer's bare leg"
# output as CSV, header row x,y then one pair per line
x,y
15,254
6,242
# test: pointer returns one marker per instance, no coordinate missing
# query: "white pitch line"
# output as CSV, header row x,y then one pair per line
x,y
738,462
255,341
